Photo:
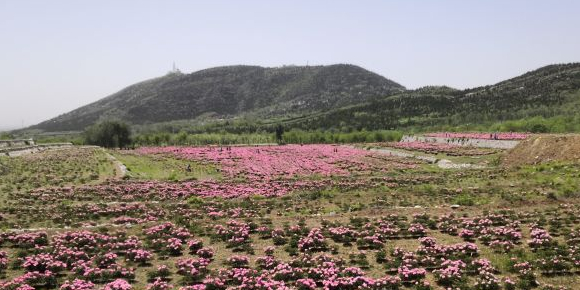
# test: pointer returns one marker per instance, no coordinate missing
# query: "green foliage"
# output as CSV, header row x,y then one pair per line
x,y
293,137
183,138
195,201
309,137
279,133
164,167
464,199
76,139
108,134
6,136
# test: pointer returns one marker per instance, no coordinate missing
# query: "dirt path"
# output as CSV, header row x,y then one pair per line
x,y
120,168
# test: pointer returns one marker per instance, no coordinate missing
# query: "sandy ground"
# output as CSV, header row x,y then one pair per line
x,y
544,148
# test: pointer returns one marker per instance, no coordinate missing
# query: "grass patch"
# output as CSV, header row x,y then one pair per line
x,y
163,167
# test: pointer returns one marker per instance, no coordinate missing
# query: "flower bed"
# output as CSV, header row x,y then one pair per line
x,y
487,136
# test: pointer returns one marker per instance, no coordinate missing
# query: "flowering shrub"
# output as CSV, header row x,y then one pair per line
x,y
161,272
139,256
206,253
278,237
451,272
501,246
370,242
193,270
238,261
417,230
408,274
118,284
159,284
29,240
305,284
540,238
235,233
523,268
42,263
3,261
487,281
77,284
106,260
554,264
509,284
467,235
194,245
313,242
343,235
266,263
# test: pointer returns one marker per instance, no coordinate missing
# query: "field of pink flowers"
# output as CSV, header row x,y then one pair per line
x,y
488,136
296,217
256,254
264,163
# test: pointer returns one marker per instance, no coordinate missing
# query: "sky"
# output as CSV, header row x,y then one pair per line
x,y
58,55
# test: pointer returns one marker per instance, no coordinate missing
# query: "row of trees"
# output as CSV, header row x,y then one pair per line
x,y
114,134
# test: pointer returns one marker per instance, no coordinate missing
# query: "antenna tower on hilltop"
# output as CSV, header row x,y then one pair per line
x,y
175,70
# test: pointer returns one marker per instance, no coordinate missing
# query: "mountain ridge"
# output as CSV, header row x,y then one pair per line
x,y
328,97
230,91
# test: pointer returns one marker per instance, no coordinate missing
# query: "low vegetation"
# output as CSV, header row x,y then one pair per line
x,y
63,167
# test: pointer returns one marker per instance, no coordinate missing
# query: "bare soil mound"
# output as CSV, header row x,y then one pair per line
x,y
544,148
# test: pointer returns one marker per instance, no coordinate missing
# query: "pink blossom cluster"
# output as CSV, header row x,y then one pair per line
x,y
451,272
3,261
77,284
193,268
313,242
540,238
489,136
167,237
238,261
159,284
118,284
234,233
409,273
139,256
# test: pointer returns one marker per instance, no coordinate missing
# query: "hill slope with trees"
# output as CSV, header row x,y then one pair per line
x,y
226,92
551,92
346,98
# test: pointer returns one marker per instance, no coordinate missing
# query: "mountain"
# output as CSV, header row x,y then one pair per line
x,y
338,97
551,91
231,91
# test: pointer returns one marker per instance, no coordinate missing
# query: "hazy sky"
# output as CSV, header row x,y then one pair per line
x,y
58,55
